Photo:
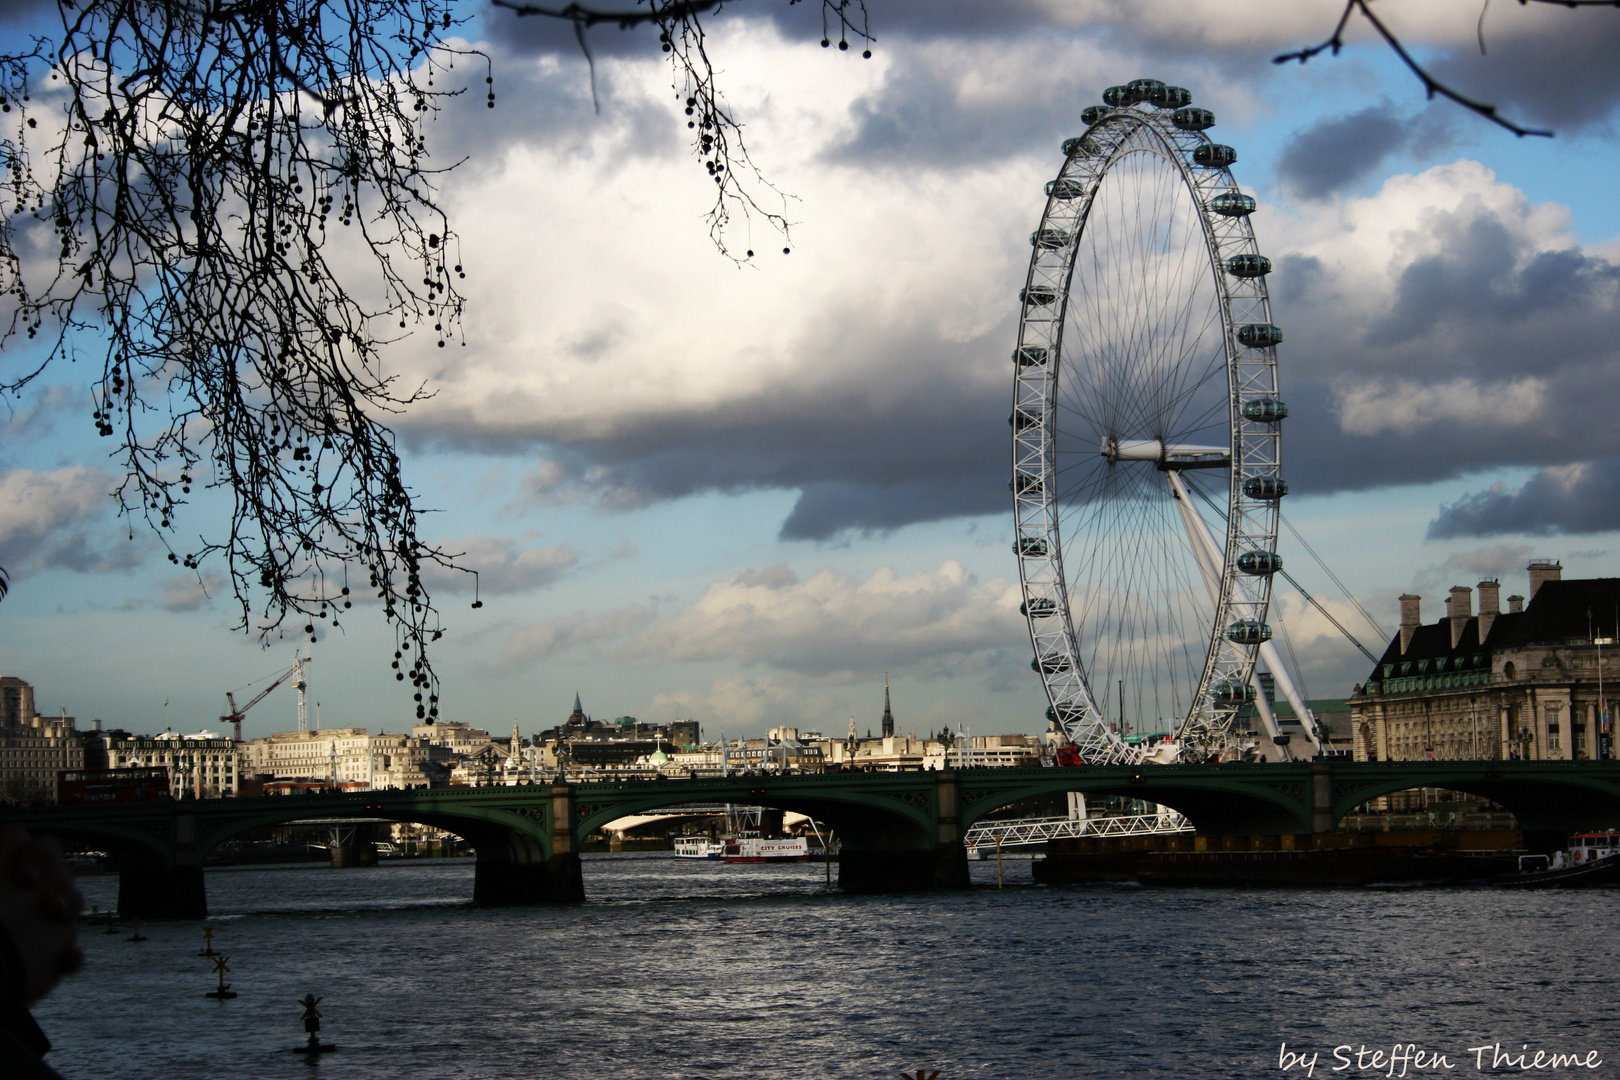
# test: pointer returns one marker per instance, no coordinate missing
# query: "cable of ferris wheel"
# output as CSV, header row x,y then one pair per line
x,y
1379,630
1313,601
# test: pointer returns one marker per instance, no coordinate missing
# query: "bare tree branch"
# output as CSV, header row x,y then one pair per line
x,y
1431,85
205,169
186,190
717,135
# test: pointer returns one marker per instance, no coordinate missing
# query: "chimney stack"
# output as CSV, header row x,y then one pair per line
x,y
1515,604
1459,609
1411,618
1490,606
1543,570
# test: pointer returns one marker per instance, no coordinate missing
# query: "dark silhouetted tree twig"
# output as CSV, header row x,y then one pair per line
x,y
1431,85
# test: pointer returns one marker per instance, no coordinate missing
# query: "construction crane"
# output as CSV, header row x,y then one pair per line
x,y
295,672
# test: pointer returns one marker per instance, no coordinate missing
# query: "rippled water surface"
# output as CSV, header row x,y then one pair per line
x,y
701,970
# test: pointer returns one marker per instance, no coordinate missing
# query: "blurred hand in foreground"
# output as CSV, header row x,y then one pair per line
x,y
39,910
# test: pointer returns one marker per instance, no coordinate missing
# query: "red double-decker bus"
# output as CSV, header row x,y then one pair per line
x,y
112,785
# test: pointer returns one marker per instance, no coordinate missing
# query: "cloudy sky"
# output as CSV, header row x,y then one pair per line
x,y
742,494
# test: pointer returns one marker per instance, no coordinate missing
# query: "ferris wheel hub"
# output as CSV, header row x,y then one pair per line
x,y
1173,456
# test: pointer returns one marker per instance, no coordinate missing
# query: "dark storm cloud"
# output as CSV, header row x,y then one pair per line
x,y
1337,152
550,105
940,454
801,21
1516,355
1482,287
1486,308
917,118
529,34
1468,327
1583,498
13,12
921,437
1552,66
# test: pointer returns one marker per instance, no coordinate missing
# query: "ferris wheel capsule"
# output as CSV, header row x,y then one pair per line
x,y
1265,410
1248,265
1139,90
1214,156
1116,97
1031,546
1256,563
1248,632
1193,119
1233,204
1171,97
1260,335
1093,113
1265,488
1039,607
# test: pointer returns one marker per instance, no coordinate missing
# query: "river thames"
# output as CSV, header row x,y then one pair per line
x,y
681,971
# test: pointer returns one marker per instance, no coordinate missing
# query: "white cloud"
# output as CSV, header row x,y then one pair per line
x,y
736,704
1403,406
502,565
34,504
835,625
830,626
577,634
183,592
52,519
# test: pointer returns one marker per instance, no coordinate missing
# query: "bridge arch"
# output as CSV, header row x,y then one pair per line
x,y
467,820
889,832
1217,803
1548,803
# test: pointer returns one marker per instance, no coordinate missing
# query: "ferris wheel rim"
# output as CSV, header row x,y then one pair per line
x,y
1201,170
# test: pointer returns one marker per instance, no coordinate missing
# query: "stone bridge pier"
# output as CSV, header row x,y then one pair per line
x,y
517,868
154,883
920,849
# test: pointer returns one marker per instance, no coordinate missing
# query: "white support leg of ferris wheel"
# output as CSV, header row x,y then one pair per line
x,y
1211,564
1285,683
1268,650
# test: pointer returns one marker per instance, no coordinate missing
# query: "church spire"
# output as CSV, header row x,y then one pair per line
x,y
888,714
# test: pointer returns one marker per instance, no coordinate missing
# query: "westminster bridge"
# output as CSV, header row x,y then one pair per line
x,y
898,831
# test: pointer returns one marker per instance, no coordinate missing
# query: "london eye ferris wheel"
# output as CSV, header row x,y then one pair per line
x,y
1146,436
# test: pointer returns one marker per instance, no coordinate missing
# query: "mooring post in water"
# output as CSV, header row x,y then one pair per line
x,y
221,966
312,1024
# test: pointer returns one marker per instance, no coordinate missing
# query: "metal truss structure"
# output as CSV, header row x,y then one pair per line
x,y
1145,372
1019,832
